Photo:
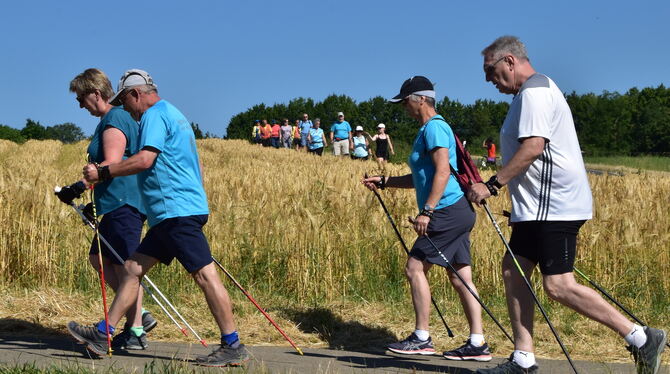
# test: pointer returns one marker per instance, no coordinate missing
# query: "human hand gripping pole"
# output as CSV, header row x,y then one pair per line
x,y
395,228
89,222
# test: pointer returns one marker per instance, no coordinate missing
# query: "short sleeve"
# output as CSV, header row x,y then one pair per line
x,y
535,114
438,134
118,119
153,131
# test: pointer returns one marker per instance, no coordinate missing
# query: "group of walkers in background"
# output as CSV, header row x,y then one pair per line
x,y
307,135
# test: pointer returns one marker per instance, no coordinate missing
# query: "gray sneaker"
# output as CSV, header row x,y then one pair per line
x,y
225,355
95,341
148,321
648,357
126,340
509,367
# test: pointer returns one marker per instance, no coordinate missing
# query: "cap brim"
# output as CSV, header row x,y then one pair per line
x,y
397,98
115,99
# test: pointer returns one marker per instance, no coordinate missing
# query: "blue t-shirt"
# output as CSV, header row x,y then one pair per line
x,y
341,129
317,138
172,187
360,149
110,195
305,126
435,133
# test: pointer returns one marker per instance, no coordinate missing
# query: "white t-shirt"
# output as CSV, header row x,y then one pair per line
x,y
555,186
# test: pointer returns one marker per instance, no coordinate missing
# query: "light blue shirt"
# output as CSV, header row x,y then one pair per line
x,y
341,129
172,187
115,193
317,138
360,149
305,126
433,134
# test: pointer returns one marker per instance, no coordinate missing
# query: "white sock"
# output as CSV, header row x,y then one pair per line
x,y
636,337
477,339
422,334
523,358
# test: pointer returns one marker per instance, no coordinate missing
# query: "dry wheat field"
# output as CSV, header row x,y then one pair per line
x,y
313,246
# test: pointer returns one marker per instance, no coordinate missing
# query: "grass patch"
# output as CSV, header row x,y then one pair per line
x,y
655,163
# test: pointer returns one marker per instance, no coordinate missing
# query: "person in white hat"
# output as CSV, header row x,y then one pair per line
x,y
174,199
361,147
383,145
340,136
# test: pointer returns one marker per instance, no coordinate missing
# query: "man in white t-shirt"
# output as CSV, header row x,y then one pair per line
x,y
551,200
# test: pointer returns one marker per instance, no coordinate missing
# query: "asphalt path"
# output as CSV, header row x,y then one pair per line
x,y
63,352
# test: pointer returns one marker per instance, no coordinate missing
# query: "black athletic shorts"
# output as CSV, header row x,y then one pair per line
x,y
122,228
449,229
181,238
550,244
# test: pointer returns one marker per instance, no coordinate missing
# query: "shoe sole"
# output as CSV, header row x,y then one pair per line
x,y
150,326
469,358
83,340
423,352
661,348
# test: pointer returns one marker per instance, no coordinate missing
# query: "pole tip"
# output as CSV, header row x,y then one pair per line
x,y
203,343
183,331
299,351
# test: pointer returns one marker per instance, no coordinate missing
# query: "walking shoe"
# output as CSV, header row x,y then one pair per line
x,y
648,357
469,352
126,340
413,346
148,321
96,341
225,355
509,367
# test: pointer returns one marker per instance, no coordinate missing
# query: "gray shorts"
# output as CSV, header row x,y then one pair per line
x,y
450,230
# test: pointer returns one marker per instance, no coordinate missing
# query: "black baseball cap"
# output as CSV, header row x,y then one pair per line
x,y
418,85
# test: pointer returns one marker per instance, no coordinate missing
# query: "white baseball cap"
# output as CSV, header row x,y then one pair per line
x,y
131,78
381,126
359,128
340,114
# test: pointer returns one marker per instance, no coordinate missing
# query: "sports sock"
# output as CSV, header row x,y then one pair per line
x,y
144,310
232,339
523,358
101,328
422,334
137,330
477,339
636,337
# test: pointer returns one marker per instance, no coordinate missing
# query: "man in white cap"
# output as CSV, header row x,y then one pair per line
x,y
340,135
170,183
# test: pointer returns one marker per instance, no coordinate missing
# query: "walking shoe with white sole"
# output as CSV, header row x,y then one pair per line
x,y
469,352
509,367
95,341
225,355
648,357
412,345
148,321
127,340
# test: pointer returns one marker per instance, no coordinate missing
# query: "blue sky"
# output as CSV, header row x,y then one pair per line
x,y
214,59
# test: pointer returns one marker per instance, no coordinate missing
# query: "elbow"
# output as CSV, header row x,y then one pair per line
x,y
145,163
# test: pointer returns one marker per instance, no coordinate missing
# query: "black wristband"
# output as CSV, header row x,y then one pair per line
x,y
492,189
104,174
494,181
426,212
382,182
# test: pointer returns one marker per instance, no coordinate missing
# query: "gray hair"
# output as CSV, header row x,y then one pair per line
x,y
506,45
317,119
416,98
148,88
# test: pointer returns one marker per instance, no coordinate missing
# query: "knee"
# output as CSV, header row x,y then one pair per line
x,y
555,290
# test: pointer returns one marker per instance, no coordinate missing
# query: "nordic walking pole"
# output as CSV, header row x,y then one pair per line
x,y
103,284
256,305
530,288
479,300
612,299
388,215
183,331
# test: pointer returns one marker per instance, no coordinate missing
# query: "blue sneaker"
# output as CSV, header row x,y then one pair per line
x,y
469,352
413,346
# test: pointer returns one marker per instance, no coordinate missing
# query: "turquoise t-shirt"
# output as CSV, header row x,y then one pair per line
x,y
172,187
435,133
317,138
341,129
111,195
360,149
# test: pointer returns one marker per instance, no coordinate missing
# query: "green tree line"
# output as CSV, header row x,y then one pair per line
x,y
66,132
630,124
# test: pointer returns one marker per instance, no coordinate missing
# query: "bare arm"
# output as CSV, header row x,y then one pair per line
x,y
113,147
390,145
440,157
137,163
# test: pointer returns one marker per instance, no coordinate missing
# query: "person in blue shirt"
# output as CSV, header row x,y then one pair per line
x,y
316,138
340,136
171,186
305,125
445,216
361,148
115,139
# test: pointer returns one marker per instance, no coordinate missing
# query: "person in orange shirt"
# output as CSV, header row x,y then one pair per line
x,y
266,131
296,135
491,151
275,131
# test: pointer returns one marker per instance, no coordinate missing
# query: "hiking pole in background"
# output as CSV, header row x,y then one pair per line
x,y
395,228
530,287
103,284
479,300
87,221
239,286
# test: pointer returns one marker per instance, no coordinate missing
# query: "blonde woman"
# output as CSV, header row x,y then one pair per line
x,y
383,144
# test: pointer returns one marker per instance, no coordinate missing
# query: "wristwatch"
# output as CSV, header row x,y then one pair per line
x,y
427,211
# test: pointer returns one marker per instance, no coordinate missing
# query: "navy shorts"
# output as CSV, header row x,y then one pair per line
x,y
551,244
450,230
122,228
181,238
